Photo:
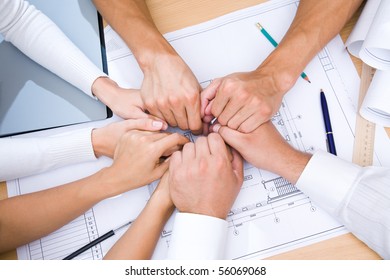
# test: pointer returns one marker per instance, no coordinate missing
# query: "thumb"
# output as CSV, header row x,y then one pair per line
x,y
233,137
208,95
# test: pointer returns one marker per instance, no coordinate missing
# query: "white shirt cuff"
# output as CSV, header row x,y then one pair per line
x,y
197,237
327,180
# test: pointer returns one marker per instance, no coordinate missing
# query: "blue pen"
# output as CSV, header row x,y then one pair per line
x,y
328,126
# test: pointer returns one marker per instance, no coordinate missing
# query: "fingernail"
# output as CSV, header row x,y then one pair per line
x,y
157,124
216,127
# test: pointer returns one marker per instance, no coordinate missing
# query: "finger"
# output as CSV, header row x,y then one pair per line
x,y
251,123
175,160
217,145
219,103
188,153
229,111
230,136
180,116
201,147
170,141
239,118
194,119
208,94
160,169
207,111
154,111
169,117
238,164
150,124
206,129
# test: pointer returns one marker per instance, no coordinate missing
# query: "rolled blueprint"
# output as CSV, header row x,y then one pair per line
x,y
376,104
370,38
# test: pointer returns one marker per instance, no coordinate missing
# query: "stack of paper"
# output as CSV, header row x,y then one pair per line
x,y
370,41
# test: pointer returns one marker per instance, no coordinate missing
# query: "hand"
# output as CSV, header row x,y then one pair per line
x,y
204,178
125,103
105,139
171,92
161,196
138,159
243,101
265,148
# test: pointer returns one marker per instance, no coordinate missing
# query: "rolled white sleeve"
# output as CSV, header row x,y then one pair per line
x,y
20,157
359,197
327,180
198,237
40,39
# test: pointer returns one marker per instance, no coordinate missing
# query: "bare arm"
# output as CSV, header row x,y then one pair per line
x,y
140,240
170,90
244,101
136,163
264,143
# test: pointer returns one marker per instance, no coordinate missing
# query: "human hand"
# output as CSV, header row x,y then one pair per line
x,y
125,103
204,178
161,197
105,139
243,101
171,92
138,159
265,148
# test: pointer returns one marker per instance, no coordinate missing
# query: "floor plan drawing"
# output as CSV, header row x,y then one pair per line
x,y
270,215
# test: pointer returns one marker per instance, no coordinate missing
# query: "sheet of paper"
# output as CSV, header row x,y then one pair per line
x,y
370,41
370,38
376,104
270,215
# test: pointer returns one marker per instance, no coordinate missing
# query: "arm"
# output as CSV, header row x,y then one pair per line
x,y
38,37
244,101
20,157
204,182
136,163
169,90
358,197
140,240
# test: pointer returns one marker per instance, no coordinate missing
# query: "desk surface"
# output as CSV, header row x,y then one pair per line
x,y
170,15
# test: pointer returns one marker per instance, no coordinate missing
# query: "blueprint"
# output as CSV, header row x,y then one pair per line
x,y
270,215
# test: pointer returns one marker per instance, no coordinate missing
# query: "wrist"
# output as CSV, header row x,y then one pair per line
x,y
292,165
99,148
280,76
110,183
161,53
95,187
105,89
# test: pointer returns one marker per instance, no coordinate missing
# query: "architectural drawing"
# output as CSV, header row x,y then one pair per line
x,y
270,215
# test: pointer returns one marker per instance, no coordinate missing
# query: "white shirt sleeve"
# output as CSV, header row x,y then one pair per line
x,y
359,197
39,38
197,237
21,157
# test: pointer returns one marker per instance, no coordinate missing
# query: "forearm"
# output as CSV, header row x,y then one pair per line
x,y
133,22
315,24
140,240
358,197
26,218
290,165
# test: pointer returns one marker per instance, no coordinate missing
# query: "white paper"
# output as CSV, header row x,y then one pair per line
x,y
370,38
270,215
370,41
359,33
376,104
